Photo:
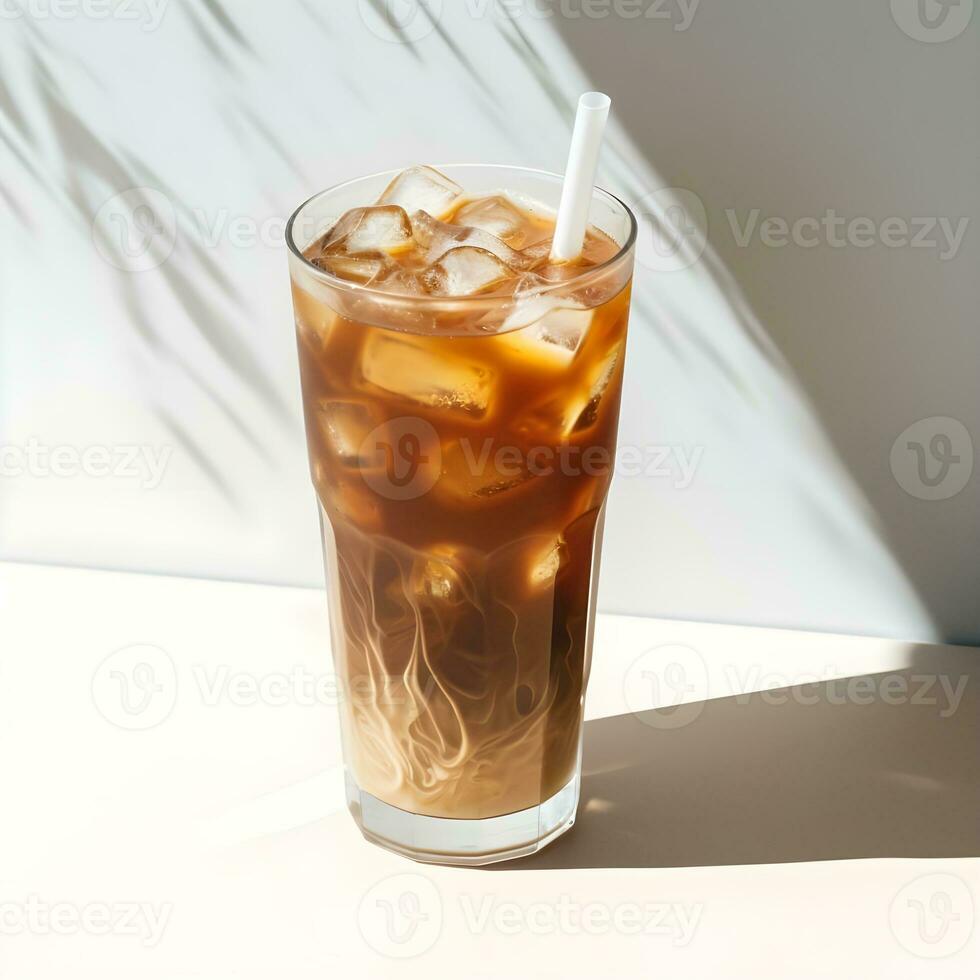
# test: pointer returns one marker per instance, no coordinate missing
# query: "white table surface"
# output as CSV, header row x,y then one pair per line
x,y
197,829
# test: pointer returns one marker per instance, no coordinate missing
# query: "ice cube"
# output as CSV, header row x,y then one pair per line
x,y
564,328
536,254
436,576
552,272
544,424
345,426
588,416
422,189
554,419
474,470
357,504
596,250
352,500
531,303
465,271
552,340
600,378
370,230
314,319
545,565
415,369
536,258
400,281
355,268
435,237
477,238
497,216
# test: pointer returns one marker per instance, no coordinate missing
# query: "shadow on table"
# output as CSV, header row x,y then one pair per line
x,y
806,773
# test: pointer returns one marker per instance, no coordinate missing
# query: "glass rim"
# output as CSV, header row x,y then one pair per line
x,y
449,302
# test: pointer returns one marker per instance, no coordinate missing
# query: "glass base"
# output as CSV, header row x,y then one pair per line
x,y
444,840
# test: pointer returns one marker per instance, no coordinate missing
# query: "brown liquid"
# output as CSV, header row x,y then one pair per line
x,y
462,522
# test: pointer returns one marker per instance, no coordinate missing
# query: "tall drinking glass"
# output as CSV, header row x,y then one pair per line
x,y
461,448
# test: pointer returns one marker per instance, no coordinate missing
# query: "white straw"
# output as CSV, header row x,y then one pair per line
x,y
576,192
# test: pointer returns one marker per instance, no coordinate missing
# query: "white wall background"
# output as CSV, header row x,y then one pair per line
x,y
232,115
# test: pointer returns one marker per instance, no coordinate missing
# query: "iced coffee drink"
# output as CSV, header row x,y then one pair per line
x,y
461,391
